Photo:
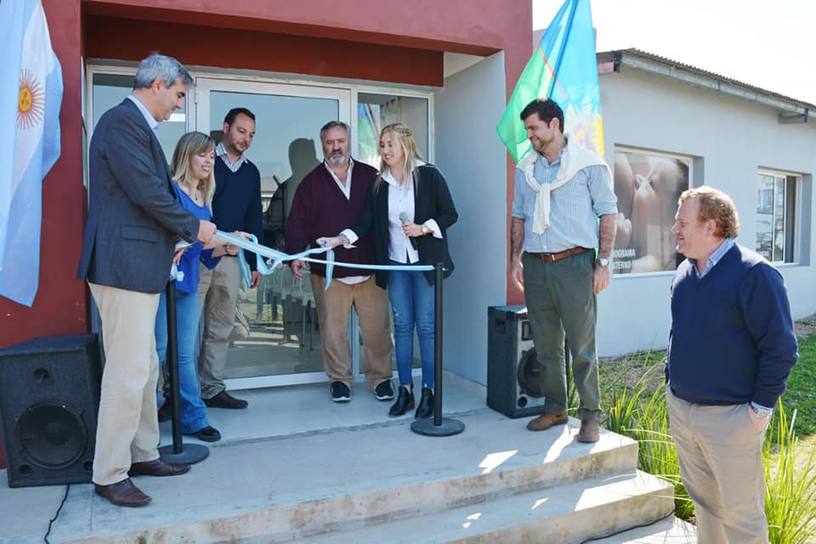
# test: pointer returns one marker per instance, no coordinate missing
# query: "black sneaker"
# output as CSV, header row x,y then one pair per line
x,y
340,392
207,434
384,391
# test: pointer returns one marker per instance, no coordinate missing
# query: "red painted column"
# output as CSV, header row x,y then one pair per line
x,y
516,55
61,303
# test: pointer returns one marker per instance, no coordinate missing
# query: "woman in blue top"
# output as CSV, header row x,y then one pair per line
x,y
193,162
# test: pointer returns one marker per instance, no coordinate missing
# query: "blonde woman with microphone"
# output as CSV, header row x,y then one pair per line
x,y
410,209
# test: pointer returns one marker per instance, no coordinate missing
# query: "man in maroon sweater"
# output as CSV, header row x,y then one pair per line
x,y
329,199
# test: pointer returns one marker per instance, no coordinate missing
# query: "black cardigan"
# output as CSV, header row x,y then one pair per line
x,y
432,200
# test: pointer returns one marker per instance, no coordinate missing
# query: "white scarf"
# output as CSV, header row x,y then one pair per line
x,y
573,160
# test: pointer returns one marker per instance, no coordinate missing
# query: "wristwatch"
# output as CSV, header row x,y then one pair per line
x,y
761,411
603,261
426,229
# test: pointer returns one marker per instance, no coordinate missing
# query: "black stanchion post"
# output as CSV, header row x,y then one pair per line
x,y
178,452
438,426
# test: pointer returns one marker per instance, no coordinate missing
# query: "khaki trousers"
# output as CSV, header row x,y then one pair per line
x,y
218,295
128,427
333,306
720,454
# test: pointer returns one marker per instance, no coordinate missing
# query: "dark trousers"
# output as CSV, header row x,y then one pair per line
x,y
560,300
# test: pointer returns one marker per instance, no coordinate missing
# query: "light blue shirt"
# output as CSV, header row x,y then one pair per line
x,y
714,258
151,121
574,207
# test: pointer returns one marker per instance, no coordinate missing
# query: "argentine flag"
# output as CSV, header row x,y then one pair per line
x,y
30,99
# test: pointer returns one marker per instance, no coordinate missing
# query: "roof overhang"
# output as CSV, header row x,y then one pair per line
x,y
790,110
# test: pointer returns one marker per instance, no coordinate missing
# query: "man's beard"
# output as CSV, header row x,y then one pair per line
x,y
338,160
542,145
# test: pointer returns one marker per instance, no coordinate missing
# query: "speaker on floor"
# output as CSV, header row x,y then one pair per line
x,y
513,372
49,398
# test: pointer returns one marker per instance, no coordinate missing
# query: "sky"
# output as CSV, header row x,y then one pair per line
x,y
766,43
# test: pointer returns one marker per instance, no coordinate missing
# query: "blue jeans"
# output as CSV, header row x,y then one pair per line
x,y
412,304
193,411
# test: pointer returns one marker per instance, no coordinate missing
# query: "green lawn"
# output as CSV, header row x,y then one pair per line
x,y
647,369
801,393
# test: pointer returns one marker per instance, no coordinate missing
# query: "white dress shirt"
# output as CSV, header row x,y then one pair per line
x,y
345,188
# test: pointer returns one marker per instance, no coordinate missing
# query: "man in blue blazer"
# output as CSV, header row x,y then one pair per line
x,y
134,222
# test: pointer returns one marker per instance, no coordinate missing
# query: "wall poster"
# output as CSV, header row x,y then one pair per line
x,y
647,185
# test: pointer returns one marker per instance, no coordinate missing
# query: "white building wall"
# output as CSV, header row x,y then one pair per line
x,y
730,139
473,160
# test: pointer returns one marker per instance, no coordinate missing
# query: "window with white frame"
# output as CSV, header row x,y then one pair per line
x,y
374,111
776,216
109,89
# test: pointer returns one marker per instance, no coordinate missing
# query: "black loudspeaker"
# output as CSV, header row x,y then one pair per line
x,y
49,398
513,373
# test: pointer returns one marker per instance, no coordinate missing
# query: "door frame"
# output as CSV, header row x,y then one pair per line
x,y
302,85
203,86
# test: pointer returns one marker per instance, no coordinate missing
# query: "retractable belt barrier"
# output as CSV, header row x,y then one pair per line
x,y
268,260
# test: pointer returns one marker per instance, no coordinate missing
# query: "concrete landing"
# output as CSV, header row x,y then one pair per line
x,y
302,409
297,467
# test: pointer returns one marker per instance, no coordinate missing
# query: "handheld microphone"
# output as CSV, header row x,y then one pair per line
x,y
403,217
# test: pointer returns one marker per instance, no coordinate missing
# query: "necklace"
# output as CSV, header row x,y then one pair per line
x,y
194,194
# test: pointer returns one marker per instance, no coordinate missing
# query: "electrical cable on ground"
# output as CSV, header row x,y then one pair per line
x,y
56,515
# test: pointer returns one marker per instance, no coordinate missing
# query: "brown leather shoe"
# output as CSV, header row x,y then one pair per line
x,y
545,421
157,468
225,400
590,431
123,493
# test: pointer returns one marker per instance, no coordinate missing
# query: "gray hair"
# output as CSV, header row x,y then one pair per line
x,y
163,68
334,124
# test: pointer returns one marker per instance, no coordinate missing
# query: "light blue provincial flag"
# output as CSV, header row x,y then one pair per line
x,y
30,99
563,67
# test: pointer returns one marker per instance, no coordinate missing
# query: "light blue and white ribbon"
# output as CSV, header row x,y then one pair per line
x,y
269,259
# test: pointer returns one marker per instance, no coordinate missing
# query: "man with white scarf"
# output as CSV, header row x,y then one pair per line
x,y
563,210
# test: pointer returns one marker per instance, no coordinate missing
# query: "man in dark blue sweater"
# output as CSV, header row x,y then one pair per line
x,y
237,206
731,349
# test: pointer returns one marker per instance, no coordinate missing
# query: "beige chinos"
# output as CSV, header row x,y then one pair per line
x,y
128,428
333,306
720,453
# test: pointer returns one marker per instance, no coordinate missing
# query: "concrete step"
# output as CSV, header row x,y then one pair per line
x,y
280,490
670,530
566,514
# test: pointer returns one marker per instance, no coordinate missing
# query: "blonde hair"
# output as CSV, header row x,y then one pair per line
x,y
715,205
403,137
188,146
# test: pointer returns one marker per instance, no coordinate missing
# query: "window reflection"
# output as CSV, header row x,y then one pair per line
x,y
110,89
375,111
281,334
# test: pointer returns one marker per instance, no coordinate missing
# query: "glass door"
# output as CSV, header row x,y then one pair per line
x,y
276,340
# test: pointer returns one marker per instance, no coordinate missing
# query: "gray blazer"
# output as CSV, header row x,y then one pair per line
x,y
134,218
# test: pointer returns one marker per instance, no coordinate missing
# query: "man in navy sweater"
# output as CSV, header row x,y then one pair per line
x,y
731,349
330,198
237,206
